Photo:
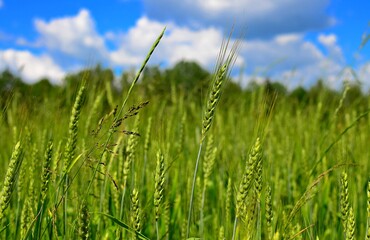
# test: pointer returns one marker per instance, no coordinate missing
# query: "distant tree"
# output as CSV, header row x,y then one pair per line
x,y
188,76
322,93
355,96
232,87
299,94
275,88
42,90
8,80
42,86
253,85
97,76
153,80
7,83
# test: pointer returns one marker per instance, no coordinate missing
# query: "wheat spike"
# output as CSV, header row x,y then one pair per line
x,y
10,179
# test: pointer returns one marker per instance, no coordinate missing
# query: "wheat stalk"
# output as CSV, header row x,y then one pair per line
x,y
128,164
117,117
147,144
223,68
209,161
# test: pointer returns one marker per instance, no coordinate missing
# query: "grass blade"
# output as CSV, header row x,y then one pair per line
x,y
125,226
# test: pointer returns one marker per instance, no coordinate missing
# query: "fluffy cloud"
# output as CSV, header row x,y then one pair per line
x,y
330,42
179,43
134,44
29,66
293,60
75,40
287,57
364,75
261,18
283,51
327,40
74,37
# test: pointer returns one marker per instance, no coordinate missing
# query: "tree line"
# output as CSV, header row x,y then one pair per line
x,y
186,78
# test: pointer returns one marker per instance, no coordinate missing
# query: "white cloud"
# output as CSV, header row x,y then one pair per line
x,y
288,57
21,41
283,51
293,60
261,18
307,75
134,44
287,38
179,43
330,43
74,36
67,43
200,45
364,75
29,66
327,40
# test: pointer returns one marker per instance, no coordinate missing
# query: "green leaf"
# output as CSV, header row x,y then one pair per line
x,y
4,228
125,226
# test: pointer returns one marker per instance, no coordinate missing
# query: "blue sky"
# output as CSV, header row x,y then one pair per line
x,y
295,42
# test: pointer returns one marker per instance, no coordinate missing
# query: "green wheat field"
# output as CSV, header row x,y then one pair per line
x,y
182,154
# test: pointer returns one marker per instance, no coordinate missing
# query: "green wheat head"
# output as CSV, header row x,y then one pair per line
x,y
10,178
73,129
344,202
159,184
247,180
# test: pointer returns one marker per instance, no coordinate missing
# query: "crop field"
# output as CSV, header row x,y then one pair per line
x,y
159,159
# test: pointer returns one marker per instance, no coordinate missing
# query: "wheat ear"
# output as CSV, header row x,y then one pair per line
x,y
344,203
84,222
247,181
10,179
73,129
46,171
135,211
351,224
159,188
269,213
